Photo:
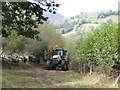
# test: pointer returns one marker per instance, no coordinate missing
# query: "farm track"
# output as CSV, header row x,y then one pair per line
x,y
40,78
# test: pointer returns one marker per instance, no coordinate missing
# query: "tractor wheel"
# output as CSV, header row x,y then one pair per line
x,y
67,67
64,66
53,68
48,63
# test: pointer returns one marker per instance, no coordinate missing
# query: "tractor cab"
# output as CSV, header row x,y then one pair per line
x,y
60,52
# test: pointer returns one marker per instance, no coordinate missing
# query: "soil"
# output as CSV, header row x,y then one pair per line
x,y
39,74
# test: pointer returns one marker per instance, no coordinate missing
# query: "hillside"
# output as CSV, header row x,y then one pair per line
x,y
81,25
56,16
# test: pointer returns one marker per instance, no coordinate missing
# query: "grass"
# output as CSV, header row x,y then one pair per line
x,y
14,79
40,78
63,76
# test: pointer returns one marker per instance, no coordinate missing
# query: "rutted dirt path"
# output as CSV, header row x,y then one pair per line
x,y
41,78
40,74
51,81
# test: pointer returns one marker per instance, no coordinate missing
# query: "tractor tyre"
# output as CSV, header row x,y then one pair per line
x,y
53,68
48,63
64,66
67,67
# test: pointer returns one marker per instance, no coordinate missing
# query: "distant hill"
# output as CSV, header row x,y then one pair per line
x,y
54,16
81,25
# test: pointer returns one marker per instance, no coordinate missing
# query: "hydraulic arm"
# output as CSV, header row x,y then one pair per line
x,y
46,53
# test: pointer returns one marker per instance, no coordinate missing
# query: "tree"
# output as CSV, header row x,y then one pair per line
x,y
50,37
101,47
14,44
24,17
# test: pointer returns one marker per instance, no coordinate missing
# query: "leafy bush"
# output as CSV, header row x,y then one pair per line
x,y
14,43
101,46
49,38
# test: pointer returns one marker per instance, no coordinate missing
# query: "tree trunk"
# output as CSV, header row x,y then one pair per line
x,y
84,67
81,67
91,68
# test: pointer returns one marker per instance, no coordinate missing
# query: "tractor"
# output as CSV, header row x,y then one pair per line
x,y
58,59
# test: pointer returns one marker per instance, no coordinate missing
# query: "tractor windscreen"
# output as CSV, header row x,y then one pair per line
x,y
58,52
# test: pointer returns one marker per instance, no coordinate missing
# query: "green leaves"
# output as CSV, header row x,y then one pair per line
x,y
101,45
53,5
23,17
57,5
48,4
16,43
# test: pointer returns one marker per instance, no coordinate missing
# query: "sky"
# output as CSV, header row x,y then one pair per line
x,y
69,8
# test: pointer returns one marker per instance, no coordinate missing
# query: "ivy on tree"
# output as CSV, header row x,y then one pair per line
x,y
24,17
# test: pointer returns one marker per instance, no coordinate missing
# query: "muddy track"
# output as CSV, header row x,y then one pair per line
x,y
40,74
57,79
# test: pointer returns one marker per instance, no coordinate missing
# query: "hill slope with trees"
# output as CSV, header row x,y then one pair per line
x,y
82,24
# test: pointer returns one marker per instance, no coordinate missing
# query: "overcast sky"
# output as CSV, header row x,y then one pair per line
x,y
73,7
70,8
